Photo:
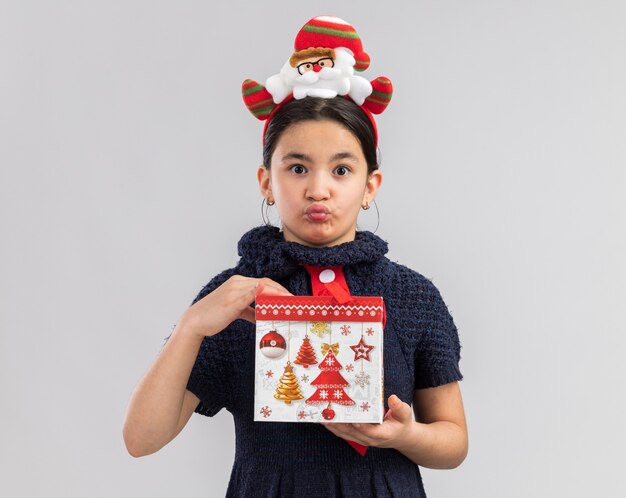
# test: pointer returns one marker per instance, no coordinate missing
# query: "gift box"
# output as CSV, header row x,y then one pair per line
x,y
317,360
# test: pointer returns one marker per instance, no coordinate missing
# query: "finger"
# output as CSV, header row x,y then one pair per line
x,y
260,287
248,314
247,298
344,431
355,432
338,429
270,287
372,434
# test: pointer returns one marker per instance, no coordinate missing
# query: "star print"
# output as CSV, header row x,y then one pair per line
x,y
361,350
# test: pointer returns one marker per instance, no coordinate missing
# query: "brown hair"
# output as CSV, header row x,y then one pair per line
x,y
339,109
296,57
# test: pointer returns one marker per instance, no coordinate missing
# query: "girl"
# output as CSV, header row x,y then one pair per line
x,y
319,169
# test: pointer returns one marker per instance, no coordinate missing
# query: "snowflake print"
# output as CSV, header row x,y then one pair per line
x,y
269,374
362,379
323,394
349,367
301,415
304,378
320,328
365,406
266,411
338,394
330,361
345,329
369,331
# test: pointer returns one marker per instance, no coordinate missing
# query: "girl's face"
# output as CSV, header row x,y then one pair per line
x,y
319,181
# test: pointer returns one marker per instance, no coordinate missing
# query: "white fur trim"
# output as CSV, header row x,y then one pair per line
x,y
351,61
336,20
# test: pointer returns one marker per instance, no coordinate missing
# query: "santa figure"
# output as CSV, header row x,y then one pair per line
x,y
319,72
327,52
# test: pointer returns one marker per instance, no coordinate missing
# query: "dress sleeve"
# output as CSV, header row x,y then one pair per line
x,y
437,353
211,378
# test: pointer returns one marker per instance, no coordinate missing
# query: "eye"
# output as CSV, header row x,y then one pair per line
x,y
327,62
304,67
298,169
341,170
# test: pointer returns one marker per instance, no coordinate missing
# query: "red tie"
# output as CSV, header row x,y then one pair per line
x,y
329,281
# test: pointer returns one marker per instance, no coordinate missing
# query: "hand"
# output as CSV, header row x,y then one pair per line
x,y
230,301
397,425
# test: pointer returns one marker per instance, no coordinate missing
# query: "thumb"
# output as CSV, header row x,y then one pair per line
x,y
398,409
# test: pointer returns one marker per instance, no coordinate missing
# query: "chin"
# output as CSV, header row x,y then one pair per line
x,y
318,238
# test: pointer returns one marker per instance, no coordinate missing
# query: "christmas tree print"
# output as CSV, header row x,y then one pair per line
x,y
330,383
306,355
288,389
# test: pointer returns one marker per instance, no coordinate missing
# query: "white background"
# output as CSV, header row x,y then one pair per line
x,y
128,174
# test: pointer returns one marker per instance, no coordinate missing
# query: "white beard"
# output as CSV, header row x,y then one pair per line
x,y
328,83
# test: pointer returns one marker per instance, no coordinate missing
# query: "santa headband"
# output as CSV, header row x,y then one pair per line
x,y
327,52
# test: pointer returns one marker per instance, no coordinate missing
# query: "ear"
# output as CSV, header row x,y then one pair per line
x,y
374,181
265,182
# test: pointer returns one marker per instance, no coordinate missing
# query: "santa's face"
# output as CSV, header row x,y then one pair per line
x,y
320,76
314,64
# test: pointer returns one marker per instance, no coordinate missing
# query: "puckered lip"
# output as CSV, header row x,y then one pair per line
x,y
316,209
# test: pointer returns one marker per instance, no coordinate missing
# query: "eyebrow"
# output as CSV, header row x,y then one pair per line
x,y
296,155
344,155
304,157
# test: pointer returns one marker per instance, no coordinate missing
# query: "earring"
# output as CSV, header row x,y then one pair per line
x,y
366,206
265,208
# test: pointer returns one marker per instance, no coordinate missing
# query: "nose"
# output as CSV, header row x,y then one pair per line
x,y
317,68
317,188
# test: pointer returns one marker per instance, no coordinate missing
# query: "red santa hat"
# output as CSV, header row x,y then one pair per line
x,y
332,32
